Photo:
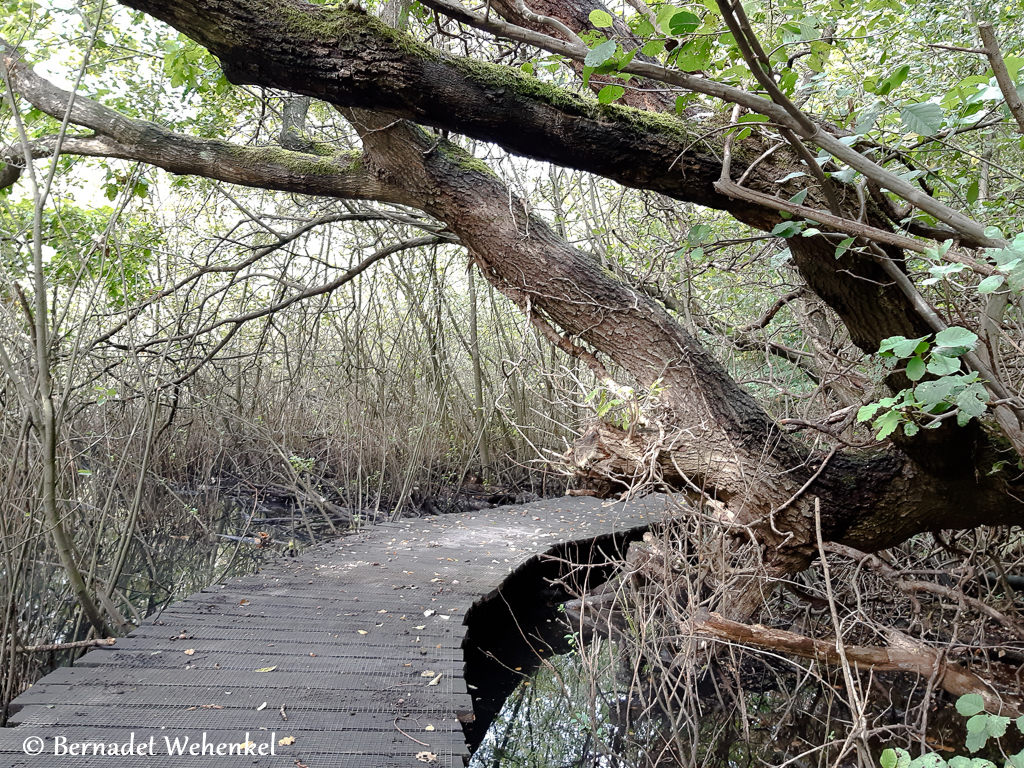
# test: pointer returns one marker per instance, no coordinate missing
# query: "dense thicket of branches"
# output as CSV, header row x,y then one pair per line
x,y
861,233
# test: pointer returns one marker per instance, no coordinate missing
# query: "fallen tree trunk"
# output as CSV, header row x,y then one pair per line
x,y
905,656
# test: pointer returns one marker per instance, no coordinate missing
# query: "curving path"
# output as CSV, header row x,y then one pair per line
x,y
321,659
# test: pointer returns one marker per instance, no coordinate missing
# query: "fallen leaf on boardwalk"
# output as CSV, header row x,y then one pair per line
x,y
436,680
383,611
429,612
300,764
429,728
243,745
190,651
442,616
267,669
421,626
363,632
427,673
243,602
211,706
426,757
286,741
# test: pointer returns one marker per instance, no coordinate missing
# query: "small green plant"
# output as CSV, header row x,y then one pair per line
x,y
951,393
620,406
301,465
981,726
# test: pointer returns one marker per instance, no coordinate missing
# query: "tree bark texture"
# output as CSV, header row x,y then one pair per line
x,y
724,442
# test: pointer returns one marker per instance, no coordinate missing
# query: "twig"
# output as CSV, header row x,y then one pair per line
x,y
995,59
421,743
63,646
856,736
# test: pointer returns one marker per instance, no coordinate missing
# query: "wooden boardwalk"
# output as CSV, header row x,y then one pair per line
x,y
322,660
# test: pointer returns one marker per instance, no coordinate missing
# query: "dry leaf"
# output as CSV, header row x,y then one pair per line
x,y
286,741
190,651
426,757
267,669
427,673
363,632
436,680
211,706
429,728
243,602
421,626
261,707
429,612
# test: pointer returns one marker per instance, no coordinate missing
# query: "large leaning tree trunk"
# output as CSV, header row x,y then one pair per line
x,y
723,442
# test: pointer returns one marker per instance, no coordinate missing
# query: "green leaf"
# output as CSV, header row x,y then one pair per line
x,y
991,283
955,336
886,424
787,229
996,726
928,760
940,365
610,93
910,429
698,234
924,119
601,19
901,347
683,23
844,246
653,48
976,741
915,369
973,401
888,758
695,55
972,192
665,14
977,723
931,393
994,232
1016,761
1020,725
600,54
893,81
867,412
970,703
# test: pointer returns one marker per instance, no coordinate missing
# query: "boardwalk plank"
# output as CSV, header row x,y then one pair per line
x,y
349,627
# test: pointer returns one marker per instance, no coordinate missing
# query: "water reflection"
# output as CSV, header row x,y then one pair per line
x,y
567,714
